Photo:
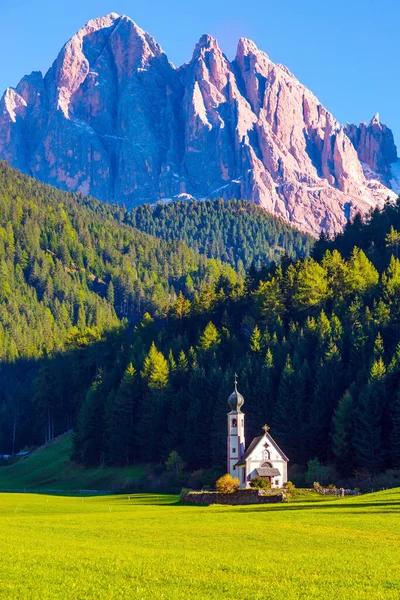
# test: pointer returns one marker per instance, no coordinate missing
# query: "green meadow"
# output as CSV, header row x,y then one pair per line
x,y
51,469
150,547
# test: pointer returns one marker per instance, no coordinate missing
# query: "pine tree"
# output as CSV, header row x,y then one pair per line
x,y
183,365
379,348
395,433
88,442
171,362
391,279
120,419
210,338
268,298
368,442
392,240
255,340
361,274
110,293
311,286
155,369
182,307
342,433
286,414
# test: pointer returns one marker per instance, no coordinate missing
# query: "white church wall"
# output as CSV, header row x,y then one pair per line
x,y
236,441
260,455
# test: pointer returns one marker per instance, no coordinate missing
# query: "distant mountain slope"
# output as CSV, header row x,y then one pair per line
x,y
71,268
115,119
236,231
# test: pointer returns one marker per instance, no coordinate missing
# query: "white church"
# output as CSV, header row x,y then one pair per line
x,y
263,457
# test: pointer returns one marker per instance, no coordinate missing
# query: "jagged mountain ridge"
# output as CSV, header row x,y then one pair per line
x,y
115,119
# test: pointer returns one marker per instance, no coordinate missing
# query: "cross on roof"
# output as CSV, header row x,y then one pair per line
x,y
266,428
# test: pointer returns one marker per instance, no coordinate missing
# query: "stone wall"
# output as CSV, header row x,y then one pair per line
x,y
239,497
336,491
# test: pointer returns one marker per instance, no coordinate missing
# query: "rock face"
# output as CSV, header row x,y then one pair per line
x,y
115,119
375,146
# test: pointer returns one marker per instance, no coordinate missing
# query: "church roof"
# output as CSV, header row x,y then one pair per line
x,y
236,399
255,443
249,450
267,472
273,442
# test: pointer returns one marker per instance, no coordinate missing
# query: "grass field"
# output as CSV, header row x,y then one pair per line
x,y
51,469
150,547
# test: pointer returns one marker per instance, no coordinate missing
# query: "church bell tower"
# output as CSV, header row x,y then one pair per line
x,y
236,442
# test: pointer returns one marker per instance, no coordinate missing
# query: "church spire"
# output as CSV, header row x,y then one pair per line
x,y
236,441
236,399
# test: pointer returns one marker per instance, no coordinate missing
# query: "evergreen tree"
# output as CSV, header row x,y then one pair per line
x,y
210,338
155,369
342,433
255,340
368,441
88,446
121,418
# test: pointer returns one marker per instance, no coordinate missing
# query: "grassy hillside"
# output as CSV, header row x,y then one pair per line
x,y
51,469
150,547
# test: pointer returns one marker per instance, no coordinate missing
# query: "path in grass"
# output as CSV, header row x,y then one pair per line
x,y
149,547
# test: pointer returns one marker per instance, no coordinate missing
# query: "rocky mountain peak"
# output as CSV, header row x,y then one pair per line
x,y
114,118
245,47
206,42
375,147
375,119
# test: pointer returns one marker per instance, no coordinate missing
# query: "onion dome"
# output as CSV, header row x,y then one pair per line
x,y
236,399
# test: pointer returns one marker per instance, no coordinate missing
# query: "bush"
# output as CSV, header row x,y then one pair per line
x,y
175,464
183,494
290,488
260,483
227,484
318,472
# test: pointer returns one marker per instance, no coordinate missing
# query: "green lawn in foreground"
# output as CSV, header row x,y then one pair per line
x,y
149,547
51,469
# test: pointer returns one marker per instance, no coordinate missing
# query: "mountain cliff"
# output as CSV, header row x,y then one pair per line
x,y
115,119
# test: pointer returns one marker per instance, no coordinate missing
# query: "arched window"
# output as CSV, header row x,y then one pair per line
x,y
234,422
266,452
266,464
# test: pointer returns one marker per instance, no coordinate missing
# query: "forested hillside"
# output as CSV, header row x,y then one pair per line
x,y
67,262
315,342
71,270
236,231
316,347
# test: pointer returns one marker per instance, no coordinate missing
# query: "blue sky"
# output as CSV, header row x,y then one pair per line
x,y
345,51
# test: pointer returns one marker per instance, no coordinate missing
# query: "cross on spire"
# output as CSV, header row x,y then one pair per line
x,y
236,377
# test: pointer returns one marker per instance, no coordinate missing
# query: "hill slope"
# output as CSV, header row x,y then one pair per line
x,y
316,345
237,232
69,264
51,469
71,274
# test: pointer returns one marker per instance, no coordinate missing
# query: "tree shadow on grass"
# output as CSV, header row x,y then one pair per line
x,y
392,506
147,499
